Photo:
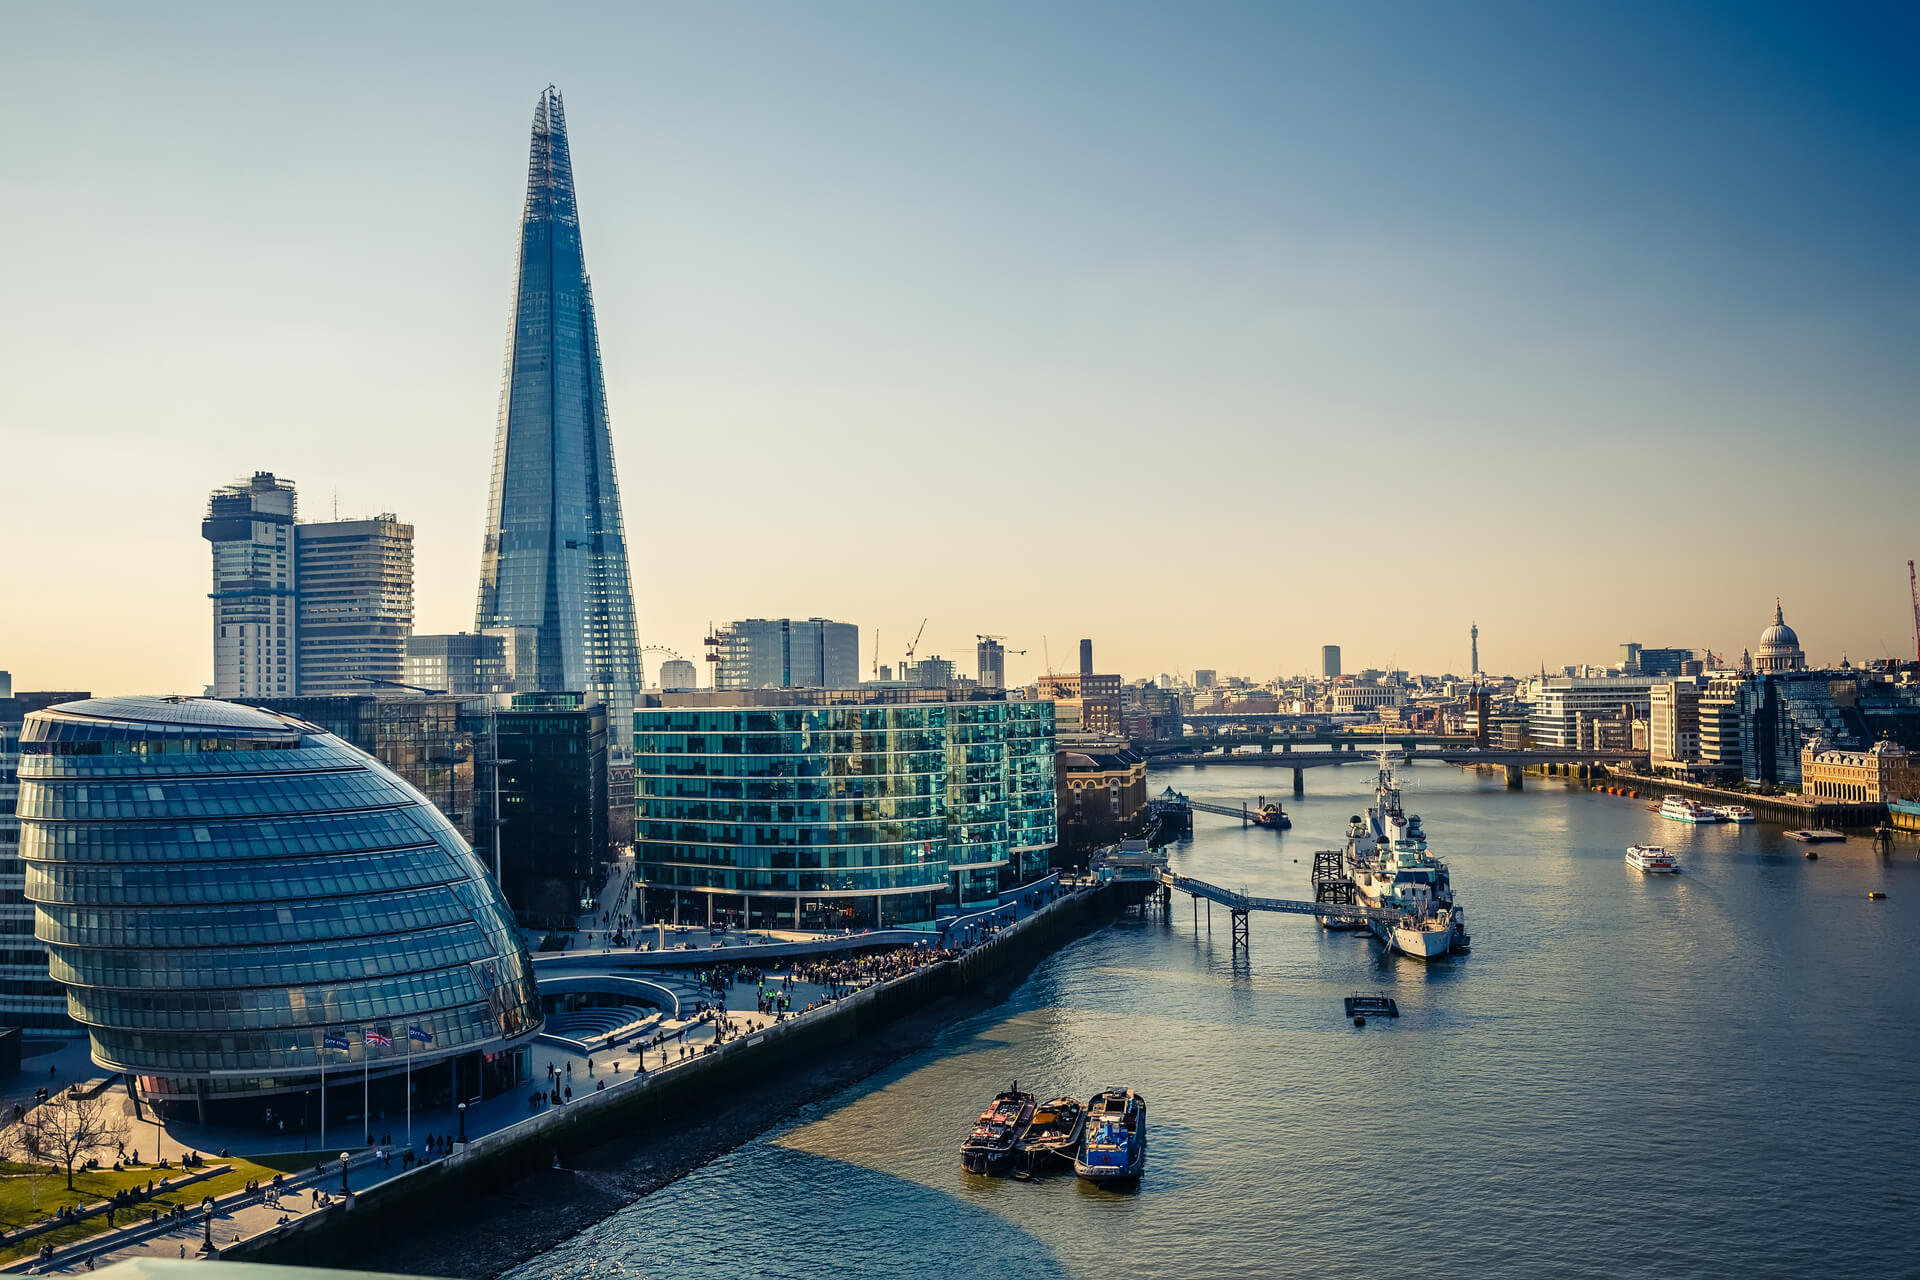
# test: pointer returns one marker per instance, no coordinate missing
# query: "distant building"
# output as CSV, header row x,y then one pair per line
x,y
302,609
1559,701
677,674
1086,657
786,653
250,526
29,997
1638,660
1476,648
1673,722
353,592
1330,661
1205,677
1779,647
1720,726
991,663
932,672
1364,695
466,664
1103,793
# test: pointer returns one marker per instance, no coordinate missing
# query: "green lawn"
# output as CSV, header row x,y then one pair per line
x,y
92,1186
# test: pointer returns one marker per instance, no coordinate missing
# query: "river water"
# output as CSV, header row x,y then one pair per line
x,y
1711,1074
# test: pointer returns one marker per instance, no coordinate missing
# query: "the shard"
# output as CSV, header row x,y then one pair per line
x,y
555,556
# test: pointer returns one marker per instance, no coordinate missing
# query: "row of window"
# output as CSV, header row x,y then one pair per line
x,y
322,876
269,922
730,879
216,841
266,1008
321,793
199,969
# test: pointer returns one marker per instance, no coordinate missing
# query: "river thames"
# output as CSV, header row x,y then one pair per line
x,y
1711,1074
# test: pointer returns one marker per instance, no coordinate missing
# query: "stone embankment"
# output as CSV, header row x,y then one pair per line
x,y
437,1191
1789,811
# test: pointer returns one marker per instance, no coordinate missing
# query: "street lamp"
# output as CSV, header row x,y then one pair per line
x,y
206,1245
344,1157
463,1124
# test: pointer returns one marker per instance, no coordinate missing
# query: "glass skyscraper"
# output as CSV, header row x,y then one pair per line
x,y
555,554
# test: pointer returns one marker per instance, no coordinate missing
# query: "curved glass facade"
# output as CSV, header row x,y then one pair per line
x,y
833,815
221,889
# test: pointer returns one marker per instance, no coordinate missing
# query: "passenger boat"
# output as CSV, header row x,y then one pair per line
x,y
1114,1149
1056,1131
1387,860
1650,858
1733,812
989,1148
1681,809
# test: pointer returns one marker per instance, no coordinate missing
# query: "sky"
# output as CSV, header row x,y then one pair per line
x,y
1215,333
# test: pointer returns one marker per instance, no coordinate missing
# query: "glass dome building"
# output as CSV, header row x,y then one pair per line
x,y
236,901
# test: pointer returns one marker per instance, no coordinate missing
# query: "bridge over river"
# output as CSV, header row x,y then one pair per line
x,y
1513,761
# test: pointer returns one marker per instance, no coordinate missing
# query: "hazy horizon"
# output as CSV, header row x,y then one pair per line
x,y
1214,335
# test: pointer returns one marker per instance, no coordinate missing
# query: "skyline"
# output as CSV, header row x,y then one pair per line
x,y
1359,270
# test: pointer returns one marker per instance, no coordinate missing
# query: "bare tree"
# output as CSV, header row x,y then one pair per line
x,y
20,1144
69,1127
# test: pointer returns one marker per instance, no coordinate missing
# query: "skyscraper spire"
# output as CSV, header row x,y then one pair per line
x,y
555,554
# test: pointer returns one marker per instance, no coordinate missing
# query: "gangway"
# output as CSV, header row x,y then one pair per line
x,y
1240,905
1248,814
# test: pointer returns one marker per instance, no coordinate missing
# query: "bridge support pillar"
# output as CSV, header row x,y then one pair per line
x,y
1240,931
1299,781
1513,777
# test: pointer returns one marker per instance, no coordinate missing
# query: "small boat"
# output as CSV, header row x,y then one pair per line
x,y
1271,816
1681,809
1733,812
1874,895
1055,1132
1650,858
1114,1149
989,1148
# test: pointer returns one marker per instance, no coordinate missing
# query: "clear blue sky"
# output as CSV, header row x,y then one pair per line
x,y
1216,332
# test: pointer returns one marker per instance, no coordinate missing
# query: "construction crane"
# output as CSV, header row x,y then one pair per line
x,y
876,653
1002,641
915,645
1913,583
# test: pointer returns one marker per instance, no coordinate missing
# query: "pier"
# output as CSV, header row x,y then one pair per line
x,y
1245,812
1240,905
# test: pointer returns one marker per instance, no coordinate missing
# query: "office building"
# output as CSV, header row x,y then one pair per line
x,y
1086,657
839,808
250,526
225,891
1720,726
435,743
554,556
1559,702
29,997
353,594
991,663
1330,661
1885,771
1638,660
931,672
555,793
678,675
786,653
465,664
1205,677
1673,722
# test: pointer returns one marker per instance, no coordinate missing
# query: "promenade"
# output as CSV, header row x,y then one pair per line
x,y
812,984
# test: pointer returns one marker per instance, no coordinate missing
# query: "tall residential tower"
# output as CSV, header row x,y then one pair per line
x,y
555,554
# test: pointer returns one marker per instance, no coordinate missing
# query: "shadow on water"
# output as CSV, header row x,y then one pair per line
x,y
750,1214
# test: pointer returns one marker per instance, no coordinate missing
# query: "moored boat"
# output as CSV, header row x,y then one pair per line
x,y
1387,860
1271,816
1114,1148
990,1147
1650,858
1681,809
1733,812
1056,1131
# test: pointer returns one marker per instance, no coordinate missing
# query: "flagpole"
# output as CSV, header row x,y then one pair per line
x,y
323,1088
366,1068
409,1088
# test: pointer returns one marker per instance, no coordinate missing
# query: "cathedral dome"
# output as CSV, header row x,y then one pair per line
x,y
1779,647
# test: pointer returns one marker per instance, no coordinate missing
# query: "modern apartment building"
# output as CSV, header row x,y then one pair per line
x,y
255,633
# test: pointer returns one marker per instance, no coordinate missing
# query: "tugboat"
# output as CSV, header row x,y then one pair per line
x,y
989,1148
1055,1132
1115,1149
1271,816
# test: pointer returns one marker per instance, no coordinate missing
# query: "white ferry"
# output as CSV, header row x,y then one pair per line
x,y
1733,812
1681,809
1650,858
1387,860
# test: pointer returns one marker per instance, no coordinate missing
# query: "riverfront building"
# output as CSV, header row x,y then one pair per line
x,y
1885,771
1561,702
29,997
555,793
554,556
840,808
235,901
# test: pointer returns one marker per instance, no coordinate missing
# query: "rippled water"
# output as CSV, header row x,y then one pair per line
x,y
1710,1074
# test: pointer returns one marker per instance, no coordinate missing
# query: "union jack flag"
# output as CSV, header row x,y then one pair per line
x,y
379,1036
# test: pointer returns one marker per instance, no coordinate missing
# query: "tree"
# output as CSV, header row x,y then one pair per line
x,y
19,1144
69,1127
